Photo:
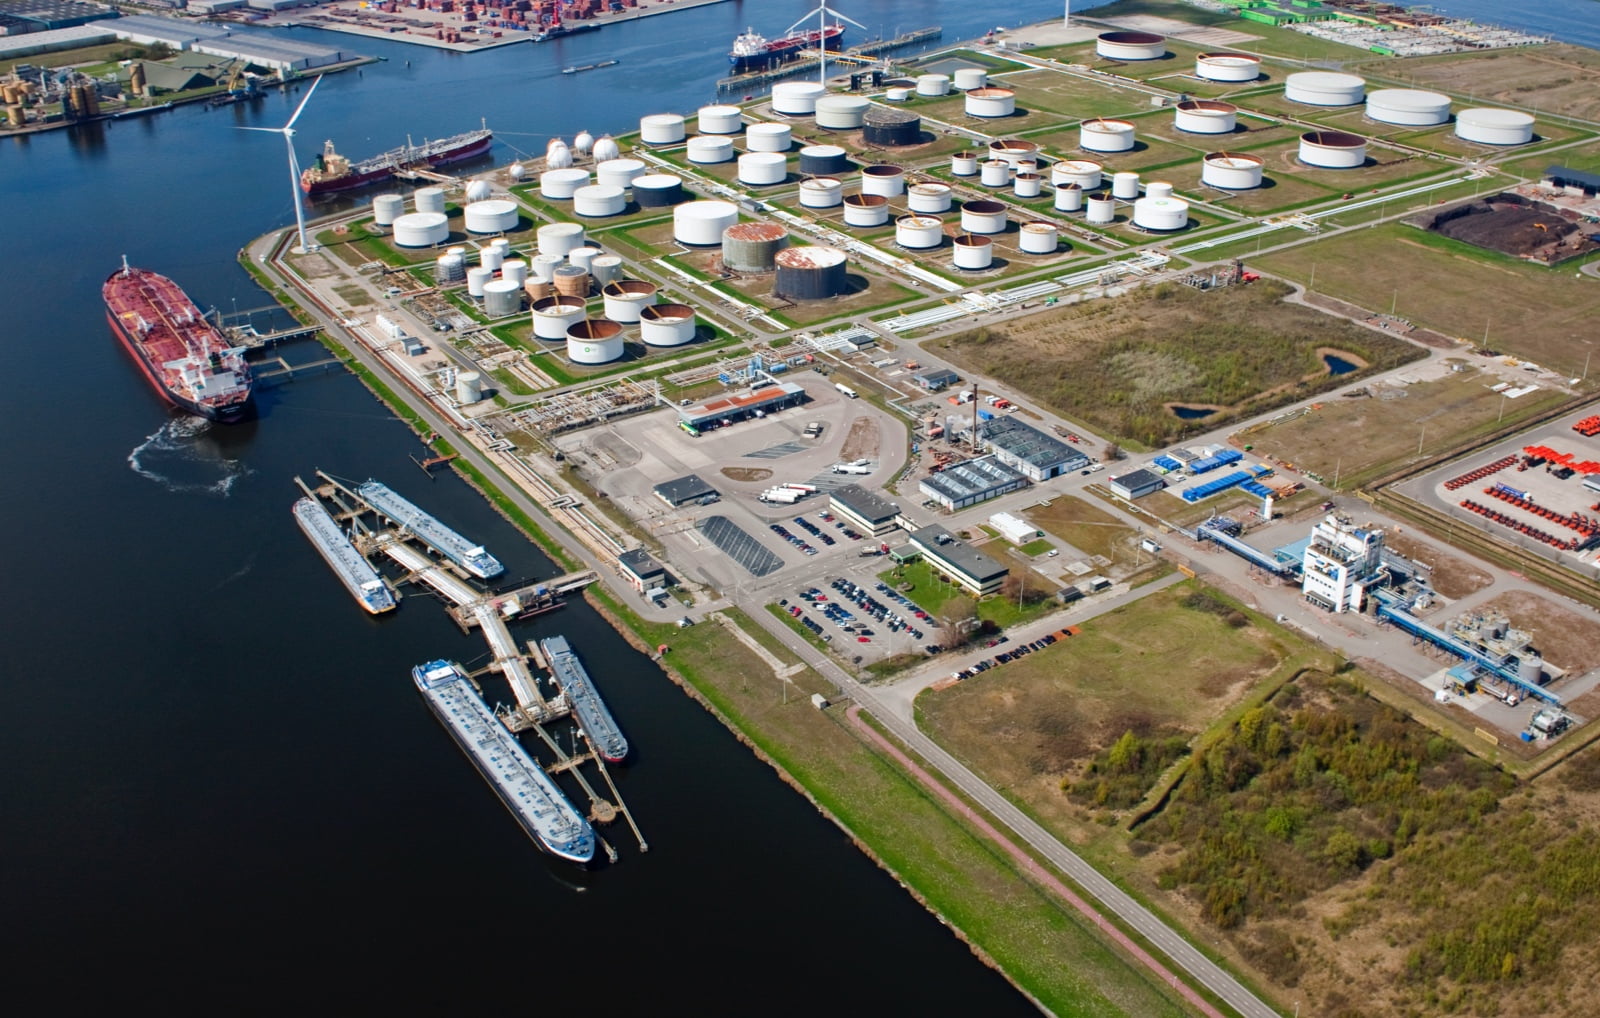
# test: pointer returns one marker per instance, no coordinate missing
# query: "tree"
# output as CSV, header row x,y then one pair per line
x,y
958,618
1112,453
1022,588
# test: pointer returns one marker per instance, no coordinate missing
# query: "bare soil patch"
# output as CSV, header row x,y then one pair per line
x,y
1565,638
1453,577
746,473
1555,77
862,440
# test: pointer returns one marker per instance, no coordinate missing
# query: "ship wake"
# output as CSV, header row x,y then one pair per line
x,y
178,457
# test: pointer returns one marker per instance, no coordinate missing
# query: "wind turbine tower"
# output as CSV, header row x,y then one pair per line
x,y
287,130
822,12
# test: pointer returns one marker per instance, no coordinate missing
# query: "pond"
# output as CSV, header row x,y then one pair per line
x,y
1338,365
1191,413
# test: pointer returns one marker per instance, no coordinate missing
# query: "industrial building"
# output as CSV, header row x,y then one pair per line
x,y
740,406
969,568
1136,483
683,490
971,481
642,572
22,17
871,515
933,381
1013,528
1341,562
1566,178
1036,455
270,51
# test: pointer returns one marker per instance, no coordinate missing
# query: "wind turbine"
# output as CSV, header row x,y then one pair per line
x,y
822,36
287,130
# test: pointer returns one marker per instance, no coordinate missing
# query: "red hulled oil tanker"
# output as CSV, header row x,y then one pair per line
x,y
334,172
176,347
753,51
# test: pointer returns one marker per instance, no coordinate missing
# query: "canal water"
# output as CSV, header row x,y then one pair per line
x,y
222,792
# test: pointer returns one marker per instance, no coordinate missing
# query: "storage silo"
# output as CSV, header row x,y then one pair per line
x,y
769,138
969,78
428,199
929,85
1227,67
479,190
1409,106
991,102
761,169
515,270
865,210
1105,135
1038,238
1125,186
583,257
994,173
971,252
594,341
918,232
599,200
1076,171
751,247
1161,214
543,266
497,215
842,112
883,127
701,222
983,216
421,229
1014,151
605,269
796,98
559,238
661,129
1130,46
1069,198
469,387
1100,209
501,297
1205,116
449,268
896,95
1027,185
386,208
821,193
707,149
476,277
1231,171
667,324
886,179
492,258
1494,127
560,184
1158,189
1530,669
618,172
658,190
823,161
964,164
1323,88
928,197
720,120
553,316
626,297
1333,150
810,273
570,281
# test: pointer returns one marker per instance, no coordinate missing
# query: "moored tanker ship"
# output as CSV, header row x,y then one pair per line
x,y
176,347
334,172
753,51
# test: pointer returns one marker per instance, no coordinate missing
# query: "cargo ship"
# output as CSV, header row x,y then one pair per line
x,y
753,51
474,558
176,347
333,172
593,716
526,790
352,568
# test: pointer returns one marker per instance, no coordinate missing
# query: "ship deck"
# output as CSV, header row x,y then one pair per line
x,y
430,531
591,710
348,564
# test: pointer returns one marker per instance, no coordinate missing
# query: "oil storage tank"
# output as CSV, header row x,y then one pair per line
x,y
1038,238
1324,88
928,197
605,269
994,173
1162,214
865,210
1227,67
1015,151
991,102
823,161
1408,106
1125,186
496,215
969,78
667,324
618,172
469,388
658,190
751,247
625,298
769,138
810,273
1333,150
386,208
918,232
983,216
719,119
707,149
553,316
560,184
1494,127
594,341
1231,171
1027,185
450,267
492,258
559,238
476,277
968,251
821,193
1130,46
1100,209
701,222
501,297
885,179
842,112
796,98
599,200
1076,171
428,199
929,85
421,229
1105,135
885,127
1205,116
514,269
1069,198
760,169
661,129
964,164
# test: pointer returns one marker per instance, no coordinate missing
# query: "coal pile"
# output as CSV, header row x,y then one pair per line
x,y
1513,225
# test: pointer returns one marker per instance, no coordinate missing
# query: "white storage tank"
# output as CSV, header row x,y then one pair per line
x,y
1069,198
841,112
667,324
606,149
719,120
763,168
865,210
386,208
1158,189
971,252
429,199
497,215
492,258
599,200
1324,88
1205,116
476,277
583,257
501,297
995,173
707,149
796,98
896,95
1227,67
1100,209
626,297
991,102
918,232
618,172
559,238
661,129
553,316
969,78
1130,46
928,197
1027,185
516,171
964,164
421,229
515,270
821,193
1231,171
1076,171
1105,135
605,269
983,216
543,266
1015,151
469,387
1494,127
933,84
478,190
560,184
1408,106
1161,214
1038,238
702,222
769,138
883,178
1125,186
594,341
1333,150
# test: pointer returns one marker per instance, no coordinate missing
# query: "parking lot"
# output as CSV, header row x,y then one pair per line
x,y
879,620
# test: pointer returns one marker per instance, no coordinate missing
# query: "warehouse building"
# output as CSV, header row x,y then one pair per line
x,y
270,51
683,490
1038,456
641,570
863,511
970,482
28,16
933,381
1014,529
714,413
1568,179
969,568
1136,483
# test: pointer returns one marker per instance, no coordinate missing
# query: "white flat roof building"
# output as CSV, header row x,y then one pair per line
x,y
1340,563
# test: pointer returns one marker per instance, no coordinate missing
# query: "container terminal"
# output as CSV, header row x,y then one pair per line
x,y
352,568
471,557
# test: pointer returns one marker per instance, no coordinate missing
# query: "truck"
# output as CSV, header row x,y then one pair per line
x,y
849,393
782,496
851,468
804,489
813,429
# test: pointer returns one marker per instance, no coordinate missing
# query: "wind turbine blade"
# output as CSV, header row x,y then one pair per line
x,y
852,21
808,16
269,130
302,107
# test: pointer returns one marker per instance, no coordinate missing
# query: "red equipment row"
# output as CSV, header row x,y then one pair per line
x,y
1577,521
1588,427
1479,474
1564,459
1522,528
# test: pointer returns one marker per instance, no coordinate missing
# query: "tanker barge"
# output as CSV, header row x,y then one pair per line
x,y
471,557
352,568
599,727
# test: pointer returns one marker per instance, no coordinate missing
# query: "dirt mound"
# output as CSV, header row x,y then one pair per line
x,y
1511,224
